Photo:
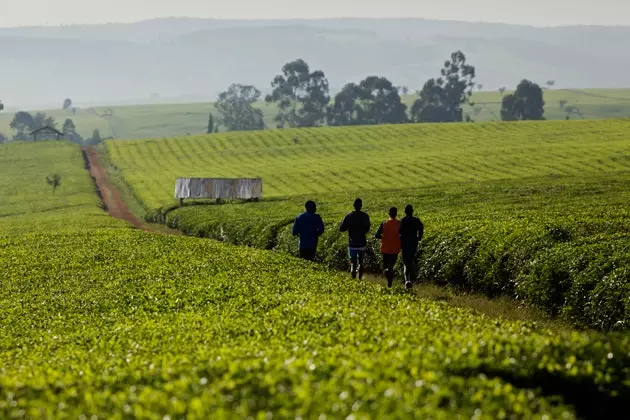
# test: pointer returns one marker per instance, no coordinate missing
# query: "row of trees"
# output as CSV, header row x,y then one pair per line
x,y
24,124
303,99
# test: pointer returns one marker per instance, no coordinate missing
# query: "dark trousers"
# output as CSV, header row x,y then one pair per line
x,y
409,256
389,261
308,254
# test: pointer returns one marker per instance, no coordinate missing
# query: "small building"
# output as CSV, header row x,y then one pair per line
x,y
218,188
47,129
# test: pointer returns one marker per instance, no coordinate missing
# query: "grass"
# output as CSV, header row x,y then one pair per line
x,y
535,211
169,120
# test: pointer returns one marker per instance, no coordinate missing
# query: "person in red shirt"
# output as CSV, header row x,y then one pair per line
x,y
389,234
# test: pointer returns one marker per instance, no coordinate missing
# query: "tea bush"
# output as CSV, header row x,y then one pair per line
x,y
122,324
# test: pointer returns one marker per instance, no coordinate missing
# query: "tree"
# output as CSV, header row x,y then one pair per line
x,y
1,106
375,100
302,96
70,132
68,127
67,103
562,103
502,90
96,137
345,109
572,109
508,108
54,181
237,112
550,83
210,124
441,99
3,138
526,103
23,124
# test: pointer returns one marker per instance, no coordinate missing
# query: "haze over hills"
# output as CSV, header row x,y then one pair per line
x,y
183,59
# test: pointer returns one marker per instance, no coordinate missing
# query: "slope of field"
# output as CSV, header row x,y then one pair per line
x,y
118,323
368,158
169,120
537,211
28,202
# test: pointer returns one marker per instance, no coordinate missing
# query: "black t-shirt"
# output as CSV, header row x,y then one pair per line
x,y
357,224
411,231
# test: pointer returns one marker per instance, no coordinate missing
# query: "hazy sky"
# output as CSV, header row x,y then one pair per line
x,y
533,12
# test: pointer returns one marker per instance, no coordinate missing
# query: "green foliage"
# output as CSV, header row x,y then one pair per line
x,y
441,99
54,181
237,112
24,123
27,204
211,126
526,103
118,323
373,101
67,103
169,120
301,96
153,325
494,199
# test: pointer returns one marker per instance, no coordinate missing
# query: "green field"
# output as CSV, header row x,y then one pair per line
x,y
28,203
168,120
101,320
535,210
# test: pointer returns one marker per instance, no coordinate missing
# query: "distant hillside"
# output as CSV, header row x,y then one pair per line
x,y
168,120
194,59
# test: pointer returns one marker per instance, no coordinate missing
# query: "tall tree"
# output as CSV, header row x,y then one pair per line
x,y
441,99
526,103
302,96
68,127
210,123
345,110
67,103
375,100
1,106
69,131
380,103
96,137
23,124
237,112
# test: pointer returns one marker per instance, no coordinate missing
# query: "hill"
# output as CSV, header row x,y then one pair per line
x,y
533,210
179,119
101,320
182,59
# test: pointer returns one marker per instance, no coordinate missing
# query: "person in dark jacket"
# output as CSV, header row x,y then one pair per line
x,y
411,232
309,227
357,224
389,234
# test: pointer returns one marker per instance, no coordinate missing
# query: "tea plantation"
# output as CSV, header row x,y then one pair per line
x,y
98,320
537,211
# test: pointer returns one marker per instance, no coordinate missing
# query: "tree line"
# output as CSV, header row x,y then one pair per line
x,y
302,98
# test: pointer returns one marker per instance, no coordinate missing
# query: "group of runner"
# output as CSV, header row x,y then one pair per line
x,y
396,236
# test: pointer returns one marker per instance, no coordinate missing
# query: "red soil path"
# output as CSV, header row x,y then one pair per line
x,y
109,193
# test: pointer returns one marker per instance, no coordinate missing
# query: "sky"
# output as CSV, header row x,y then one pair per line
x,y
528,12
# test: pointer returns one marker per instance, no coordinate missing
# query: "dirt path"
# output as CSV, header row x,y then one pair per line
x,y
109,193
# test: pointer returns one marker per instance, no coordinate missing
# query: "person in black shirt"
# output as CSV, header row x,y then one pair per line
x,y
411,232
357,224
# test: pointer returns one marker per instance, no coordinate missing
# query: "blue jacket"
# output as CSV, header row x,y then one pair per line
x,y
309,227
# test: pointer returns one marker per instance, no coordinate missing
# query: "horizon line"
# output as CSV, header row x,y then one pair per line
x,y
304,19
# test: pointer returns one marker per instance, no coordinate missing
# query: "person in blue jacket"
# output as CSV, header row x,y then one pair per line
x,y
309,227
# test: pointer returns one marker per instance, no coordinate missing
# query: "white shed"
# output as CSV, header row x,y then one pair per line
x,y
218,188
